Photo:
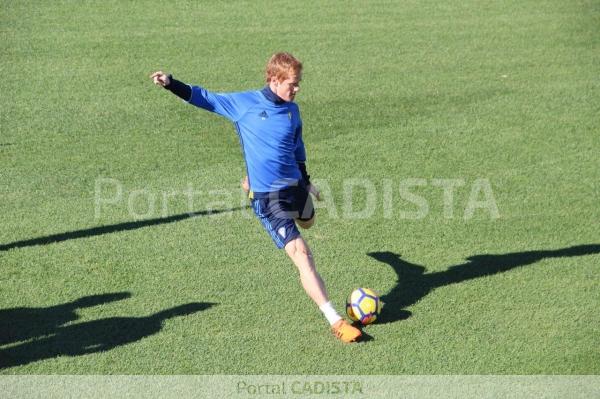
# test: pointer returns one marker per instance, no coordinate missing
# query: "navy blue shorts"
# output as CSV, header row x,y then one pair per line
x,y
277,212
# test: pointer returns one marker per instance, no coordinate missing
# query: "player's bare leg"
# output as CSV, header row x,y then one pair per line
x,y
298,251
307,224
313,285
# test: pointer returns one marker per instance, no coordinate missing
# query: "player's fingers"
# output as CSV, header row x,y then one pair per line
x,y
315,191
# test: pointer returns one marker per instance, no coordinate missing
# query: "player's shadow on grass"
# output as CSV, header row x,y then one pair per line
x,y
93,336
413,283
114,228
22,324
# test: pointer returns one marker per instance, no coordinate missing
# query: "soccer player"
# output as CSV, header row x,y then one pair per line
x,y
269,127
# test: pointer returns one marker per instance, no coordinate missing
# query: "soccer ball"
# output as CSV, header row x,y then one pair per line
x,y
363,305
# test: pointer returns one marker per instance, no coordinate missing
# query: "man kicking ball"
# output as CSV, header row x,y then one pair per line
x,y
270,130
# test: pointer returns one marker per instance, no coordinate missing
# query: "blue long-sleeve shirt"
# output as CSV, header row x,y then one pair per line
x,y
270,133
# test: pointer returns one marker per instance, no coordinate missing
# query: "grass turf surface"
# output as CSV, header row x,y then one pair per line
x,y
502,91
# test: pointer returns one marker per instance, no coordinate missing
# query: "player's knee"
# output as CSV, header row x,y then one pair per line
x,y
306,224
297,248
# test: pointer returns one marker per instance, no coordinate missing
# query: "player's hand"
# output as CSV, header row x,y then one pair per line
x,y
315,191
160,79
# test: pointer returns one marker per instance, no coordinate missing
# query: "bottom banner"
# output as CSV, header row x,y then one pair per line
x,y
300,386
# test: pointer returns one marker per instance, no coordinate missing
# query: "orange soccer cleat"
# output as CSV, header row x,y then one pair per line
x,y
346,332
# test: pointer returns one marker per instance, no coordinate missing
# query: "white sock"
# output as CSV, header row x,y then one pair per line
x,y
330,314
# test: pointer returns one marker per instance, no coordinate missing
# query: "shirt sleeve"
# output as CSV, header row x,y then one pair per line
x,y
229,105
179,88
300,151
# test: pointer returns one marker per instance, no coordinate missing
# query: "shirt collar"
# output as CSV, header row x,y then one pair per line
x,y
274,98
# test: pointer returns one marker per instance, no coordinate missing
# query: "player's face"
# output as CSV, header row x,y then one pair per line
x,y
287,89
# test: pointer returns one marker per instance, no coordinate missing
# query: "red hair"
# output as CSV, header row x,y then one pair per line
x,y
282,66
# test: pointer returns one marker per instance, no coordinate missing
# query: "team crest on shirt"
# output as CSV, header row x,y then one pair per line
x,y
263,115
281,231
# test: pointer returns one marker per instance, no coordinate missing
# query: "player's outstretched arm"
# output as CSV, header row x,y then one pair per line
x,y
231,105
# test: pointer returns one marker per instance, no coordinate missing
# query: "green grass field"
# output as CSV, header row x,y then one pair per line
x,y
103,271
